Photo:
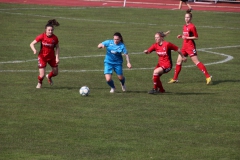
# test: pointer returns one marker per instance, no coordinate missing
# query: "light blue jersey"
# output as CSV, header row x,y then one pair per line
x,y
114,52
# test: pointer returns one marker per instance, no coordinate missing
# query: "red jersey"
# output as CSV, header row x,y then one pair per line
x,y
164,53
47,45
189,31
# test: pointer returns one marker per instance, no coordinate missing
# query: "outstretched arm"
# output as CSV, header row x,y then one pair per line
x,y
100,45
146,52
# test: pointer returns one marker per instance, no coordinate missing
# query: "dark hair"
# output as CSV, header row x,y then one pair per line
x,y
189,12
119,35
163,34
52,23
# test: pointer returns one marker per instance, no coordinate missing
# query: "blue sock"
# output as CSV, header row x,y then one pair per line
x,y
123,81
111,83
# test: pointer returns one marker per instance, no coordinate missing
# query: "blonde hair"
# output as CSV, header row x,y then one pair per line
x,y
163,34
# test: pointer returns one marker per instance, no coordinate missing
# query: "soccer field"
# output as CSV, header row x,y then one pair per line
x,y
191,120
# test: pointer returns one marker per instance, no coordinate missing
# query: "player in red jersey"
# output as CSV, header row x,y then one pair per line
x,y
49,52
189,48
163,50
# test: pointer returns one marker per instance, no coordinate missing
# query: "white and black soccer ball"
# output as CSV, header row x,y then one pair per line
x,y
84,91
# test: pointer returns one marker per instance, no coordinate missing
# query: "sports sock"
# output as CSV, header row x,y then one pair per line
x,y
159,84
177,71
122,81
50,75
155,81
40,79
202,68
111,83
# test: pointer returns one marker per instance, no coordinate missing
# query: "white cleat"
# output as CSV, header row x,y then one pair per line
x,y
123,87
39,85
112,90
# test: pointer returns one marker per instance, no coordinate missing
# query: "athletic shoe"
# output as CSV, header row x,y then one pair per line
x,y
153,91
209,80
49,80
123,87
112,90
173,81
39,85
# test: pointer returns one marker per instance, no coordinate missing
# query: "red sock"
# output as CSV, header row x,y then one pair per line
x,y
201,66
50,75
159,84
177,71
40,79
155,81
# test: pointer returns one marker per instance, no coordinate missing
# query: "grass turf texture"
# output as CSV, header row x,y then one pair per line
x,y
191,121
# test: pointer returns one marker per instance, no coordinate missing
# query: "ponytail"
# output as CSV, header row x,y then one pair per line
x,y
52,23
163,34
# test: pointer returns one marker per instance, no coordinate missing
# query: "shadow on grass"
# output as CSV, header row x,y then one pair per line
x,y
224,81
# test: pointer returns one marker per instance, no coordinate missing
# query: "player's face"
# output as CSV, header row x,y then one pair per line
x,y
158,39
116,39
187,18
49,31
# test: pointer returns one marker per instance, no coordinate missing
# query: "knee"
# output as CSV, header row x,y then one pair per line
x,y
55,73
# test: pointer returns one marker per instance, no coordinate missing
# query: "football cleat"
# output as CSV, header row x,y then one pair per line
x,y
153,91
50,81
39,85
123,87
173,81
112,90
209,80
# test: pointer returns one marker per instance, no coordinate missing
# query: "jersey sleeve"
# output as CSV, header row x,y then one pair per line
x,y
124,51
152,48
39,38
194,31
106,43
172,46
56,40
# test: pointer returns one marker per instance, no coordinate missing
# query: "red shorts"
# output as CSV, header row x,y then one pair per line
x,y
166,68
42,62
189,52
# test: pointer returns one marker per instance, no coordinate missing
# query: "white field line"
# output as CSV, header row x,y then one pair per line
x,y
101,21
81,19
228,58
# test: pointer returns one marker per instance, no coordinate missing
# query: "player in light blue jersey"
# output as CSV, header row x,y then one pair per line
x,y
113,60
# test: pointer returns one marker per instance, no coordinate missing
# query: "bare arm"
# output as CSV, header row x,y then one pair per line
x,y
57,53
184,59
185,37
146,51
33,47
128,61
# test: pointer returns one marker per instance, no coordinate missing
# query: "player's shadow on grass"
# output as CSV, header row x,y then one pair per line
x,y
224,81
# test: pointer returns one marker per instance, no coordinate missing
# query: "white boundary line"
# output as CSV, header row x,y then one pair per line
x,y
228,58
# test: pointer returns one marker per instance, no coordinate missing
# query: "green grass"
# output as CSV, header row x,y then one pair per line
x,y
191,121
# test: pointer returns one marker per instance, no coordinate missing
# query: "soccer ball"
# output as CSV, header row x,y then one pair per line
x,y
84,91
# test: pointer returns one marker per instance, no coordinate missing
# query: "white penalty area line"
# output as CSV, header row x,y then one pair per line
x,y
207,50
